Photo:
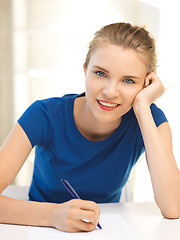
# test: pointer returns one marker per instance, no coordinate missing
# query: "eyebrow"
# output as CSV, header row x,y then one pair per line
x,y
127,76
103,69
131,76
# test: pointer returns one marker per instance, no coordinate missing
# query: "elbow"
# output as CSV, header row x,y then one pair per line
x,y
170,208
171,212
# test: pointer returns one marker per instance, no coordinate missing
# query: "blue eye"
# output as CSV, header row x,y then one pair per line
x,y
129,81
100,73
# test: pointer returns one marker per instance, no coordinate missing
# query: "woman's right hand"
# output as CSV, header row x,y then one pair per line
x,y
75,215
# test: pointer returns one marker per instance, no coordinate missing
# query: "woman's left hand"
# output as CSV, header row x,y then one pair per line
x,y
153,89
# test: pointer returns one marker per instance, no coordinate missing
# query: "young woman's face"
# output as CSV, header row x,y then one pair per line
x,y
114,76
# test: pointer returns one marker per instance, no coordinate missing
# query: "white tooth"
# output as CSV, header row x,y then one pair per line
x,y
108,104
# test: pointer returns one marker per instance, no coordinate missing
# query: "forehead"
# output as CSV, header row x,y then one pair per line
x,y
117,58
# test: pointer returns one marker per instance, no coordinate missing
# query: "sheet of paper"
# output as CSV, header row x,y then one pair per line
x,y
113,227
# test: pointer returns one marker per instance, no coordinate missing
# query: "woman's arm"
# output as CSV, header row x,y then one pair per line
x,y
165,175
66,216
13,154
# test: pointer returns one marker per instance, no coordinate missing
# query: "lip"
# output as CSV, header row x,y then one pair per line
x,y
107,108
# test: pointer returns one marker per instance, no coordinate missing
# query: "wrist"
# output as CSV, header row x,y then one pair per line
x,y
140,107
52,212
48,214
144,116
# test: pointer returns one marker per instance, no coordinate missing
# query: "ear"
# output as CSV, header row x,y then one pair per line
x,y
85,68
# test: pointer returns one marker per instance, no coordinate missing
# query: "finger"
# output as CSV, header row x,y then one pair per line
x,y
86,205
148,80
85,226
78,223
153,77
84,209
90,216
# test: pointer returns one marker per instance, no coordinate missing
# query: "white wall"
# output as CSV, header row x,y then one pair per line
x,y
163,19
50,43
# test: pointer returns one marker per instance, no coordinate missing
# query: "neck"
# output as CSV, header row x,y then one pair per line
x,y
90,127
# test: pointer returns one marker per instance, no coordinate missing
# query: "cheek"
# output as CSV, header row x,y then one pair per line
x,y
92,85
89,86
91,90
88,83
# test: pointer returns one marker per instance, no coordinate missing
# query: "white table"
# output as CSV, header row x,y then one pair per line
x,y
146,220
142,218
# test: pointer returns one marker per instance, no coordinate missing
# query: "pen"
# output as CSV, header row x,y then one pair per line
x,y
73,193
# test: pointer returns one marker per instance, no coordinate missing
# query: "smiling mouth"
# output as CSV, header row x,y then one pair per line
x,y
108,106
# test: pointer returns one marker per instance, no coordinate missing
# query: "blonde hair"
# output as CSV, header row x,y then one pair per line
x,y
128,36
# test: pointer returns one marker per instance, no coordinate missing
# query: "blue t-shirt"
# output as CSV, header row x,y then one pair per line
x,y
98,170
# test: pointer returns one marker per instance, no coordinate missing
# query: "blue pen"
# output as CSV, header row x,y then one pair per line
x,y
73,193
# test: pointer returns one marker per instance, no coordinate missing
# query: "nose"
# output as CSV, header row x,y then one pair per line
x,y
111,90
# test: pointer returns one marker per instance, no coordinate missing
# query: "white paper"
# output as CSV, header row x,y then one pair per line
x,y
113,227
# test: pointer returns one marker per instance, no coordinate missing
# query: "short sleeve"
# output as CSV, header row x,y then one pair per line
x,y
158,115
35,121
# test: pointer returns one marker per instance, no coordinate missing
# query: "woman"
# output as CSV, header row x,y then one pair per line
x,y
94,139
